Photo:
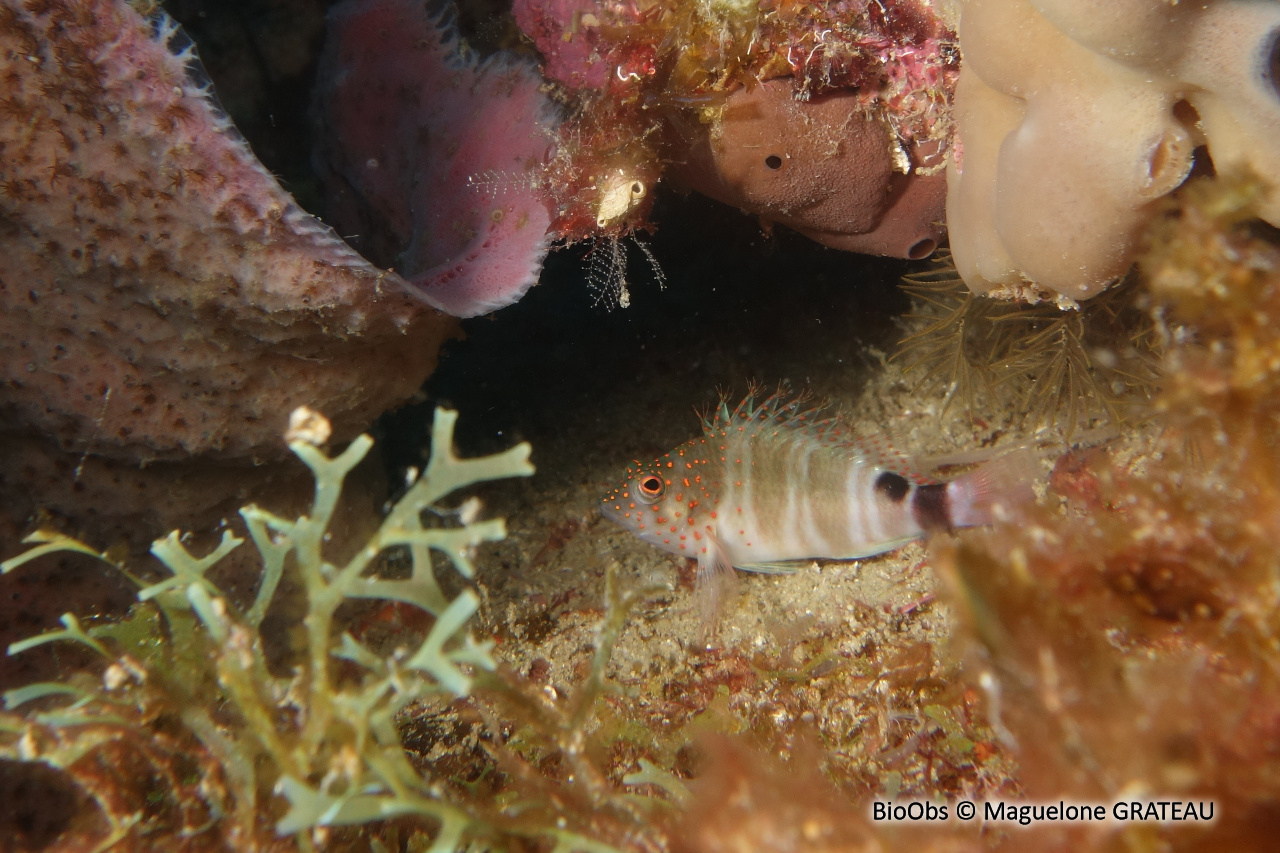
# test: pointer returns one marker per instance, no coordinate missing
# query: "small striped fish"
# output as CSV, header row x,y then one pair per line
x,y
772,484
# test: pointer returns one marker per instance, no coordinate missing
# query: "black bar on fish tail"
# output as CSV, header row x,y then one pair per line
x,y
931,507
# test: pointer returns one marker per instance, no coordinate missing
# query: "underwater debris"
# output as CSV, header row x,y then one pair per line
x,y
1063,368
1131,630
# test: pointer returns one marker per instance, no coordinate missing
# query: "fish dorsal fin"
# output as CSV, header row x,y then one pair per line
x,y
782,407
879,451
806,419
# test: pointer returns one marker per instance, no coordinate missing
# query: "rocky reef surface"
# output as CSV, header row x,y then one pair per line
x,y
1115,643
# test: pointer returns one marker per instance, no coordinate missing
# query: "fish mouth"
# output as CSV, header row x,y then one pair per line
x,y
607,510
611,511
624,518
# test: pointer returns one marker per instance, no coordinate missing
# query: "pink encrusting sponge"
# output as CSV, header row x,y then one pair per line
x,y
445,151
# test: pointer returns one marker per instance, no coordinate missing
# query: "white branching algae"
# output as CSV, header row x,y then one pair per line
x,y
188,684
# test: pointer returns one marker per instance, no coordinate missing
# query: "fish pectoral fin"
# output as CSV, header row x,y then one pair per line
x,y
716,584
713,563
776,567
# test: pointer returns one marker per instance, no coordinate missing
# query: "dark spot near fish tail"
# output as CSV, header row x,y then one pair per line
x,y
892,486
931,507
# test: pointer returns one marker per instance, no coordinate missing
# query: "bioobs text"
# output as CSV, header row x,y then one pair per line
x,y
914,810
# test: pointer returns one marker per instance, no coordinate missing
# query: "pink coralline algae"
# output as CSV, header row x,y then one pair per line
x,y
568,34
160,295
437,159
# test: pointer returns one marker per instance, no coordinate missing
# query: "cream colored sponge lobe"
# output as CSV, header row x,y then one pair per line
x,y
1074,116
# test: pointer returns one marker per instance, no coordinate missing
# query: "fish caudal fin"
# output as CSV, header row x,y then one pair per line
x,y
995,491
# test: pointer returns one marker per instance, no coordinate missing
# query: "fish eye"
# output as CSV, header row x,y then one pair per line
x,y
650,488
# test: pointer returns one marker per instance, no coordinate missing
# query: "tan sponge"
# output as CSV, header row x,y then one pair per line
x,y
1074,116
